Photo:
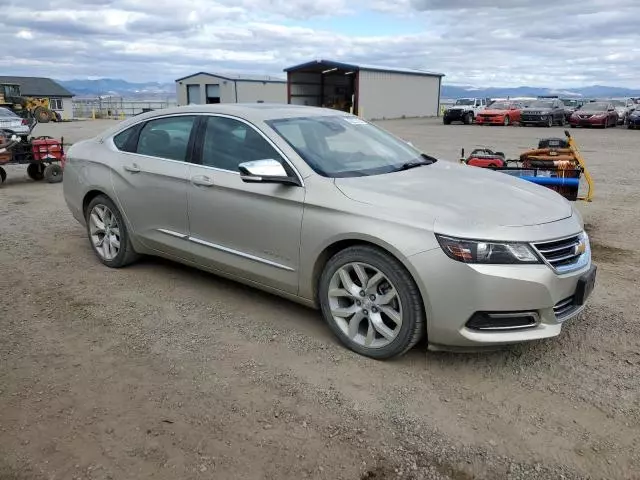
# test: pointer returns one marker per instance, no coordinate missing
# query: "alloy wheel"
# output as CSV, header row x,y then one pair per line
x,y
365,305
104,231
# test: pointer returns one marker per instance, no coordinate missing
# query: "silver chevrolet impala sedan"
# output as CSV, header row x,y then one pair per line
x,y
326,209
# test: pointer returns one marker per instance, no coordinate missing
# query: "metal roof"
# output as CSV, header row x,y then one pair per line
x,y
38,86
239,77
361,66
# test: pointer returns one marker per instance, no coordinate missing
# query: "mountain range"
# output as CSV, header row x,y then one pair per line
x,y
148,90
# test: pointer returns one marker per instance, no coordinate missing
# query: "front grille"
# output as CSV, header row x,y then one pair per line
x,y
562,254
565,307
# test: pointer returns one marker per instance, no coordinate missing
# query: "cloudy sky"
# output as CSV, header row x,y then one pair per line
x,y
559,43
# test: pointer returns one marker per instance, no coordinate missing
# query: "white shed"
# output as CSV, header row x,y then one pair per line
x,y
372,92
203,87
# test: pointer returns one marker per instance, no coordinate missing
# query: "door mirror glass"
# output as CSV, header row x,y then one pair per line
x,y
265,171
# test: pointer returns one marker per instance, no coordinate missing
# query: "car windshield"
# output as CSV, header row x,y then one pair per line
x,y
499,106
595,107
465,101
541,104
618,103
346,146
569,103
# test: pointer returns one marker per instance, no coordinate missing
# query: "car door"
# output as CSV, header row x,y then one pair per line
x,y
250,230
150,177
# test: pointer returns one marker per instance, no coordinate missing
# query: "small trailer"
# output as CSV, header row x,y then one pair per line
x,y
44,156
556,164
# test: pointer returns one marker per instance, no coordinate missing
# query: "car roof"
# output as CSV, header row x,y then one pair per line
x,y
252,112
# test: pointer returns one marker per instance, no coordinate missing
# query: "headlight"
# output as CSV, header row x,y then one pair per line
x,y
475,251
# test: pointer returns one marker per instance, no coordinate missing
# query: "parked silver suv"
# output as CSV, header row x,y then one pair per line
x,y
329,210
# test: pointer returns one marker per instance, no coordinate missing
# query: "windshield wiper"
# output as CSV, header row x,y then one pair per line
x,y
421,162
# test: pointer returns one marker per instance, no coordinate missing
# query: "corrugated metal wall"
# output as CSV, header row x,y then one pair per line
x,y
394,95
252,92
248,92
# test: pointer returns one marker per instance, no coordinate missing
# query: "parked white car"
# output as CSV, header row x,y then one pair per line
x,y
11,122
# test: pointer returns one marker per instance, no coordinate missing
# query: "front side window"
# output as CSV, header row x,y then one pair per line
x,y
229,142
345,146
166,137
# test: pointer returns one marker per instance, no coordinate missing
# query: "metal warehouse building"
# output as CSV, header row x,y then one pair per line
x,y
203,87
372,92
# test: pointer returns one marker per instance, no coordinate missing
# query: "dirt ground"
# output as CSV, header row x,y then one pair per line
x,y
161,371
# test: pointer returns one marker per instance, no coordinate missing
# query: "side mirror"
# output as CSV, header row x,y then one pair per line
x,y
265,171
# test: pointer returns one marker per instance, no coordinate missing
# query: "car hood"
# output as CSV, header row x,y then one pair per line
x,y
495,112
591,112
458,197
541,110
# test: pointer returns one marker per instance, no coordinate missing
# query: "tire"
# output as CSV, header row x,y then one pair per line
x,y
446,121
507,121
125,253
42,115
549,122
606,123
468,118
35,170
3,175
562,121
630,127
405,304
53,173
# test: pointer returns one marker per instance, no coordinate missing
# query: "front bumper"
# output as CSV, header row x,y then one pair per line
x,y
456,115
455,291
496,120
534,119
588,122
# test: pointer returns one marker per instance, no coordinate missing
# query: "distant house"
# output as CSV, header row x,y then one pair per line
x,y
203,87
59,97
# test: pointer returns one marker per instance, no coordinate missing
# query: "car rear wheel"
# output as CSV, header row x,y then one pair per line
x,y
371,303
108,233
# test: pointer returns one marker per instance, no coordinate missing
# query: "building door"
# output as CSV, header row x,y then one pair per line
x,y
193,94
213,93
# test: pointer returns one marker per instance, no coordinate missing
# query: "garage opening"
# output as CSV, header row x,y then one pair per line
x,y
213,93
324,84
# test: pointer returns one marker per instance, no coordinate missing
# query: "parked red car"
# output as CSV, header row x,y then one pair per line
x,y
499,113
595,114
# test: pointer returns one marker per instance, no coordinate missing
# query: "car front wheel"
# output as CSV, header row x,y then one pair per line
x,y
108,233
371,302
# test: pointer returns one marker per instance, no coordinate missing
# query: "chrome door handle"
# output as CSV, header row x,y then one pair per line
x,y
202,181
132,168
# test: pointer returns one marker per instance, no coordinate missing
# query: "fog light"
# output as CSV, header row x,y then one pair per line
x,y
503,320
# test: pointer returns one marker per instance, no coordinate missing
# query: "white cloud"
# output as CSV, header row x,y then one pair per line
x,y
481,42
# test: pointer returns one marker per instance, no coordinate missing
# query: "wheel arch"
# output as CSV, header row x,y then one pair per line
x,y
337,245
90,195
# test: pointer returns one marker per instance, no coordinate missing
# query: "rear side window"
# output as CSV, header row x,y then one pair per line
x,y
121,140
166,138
